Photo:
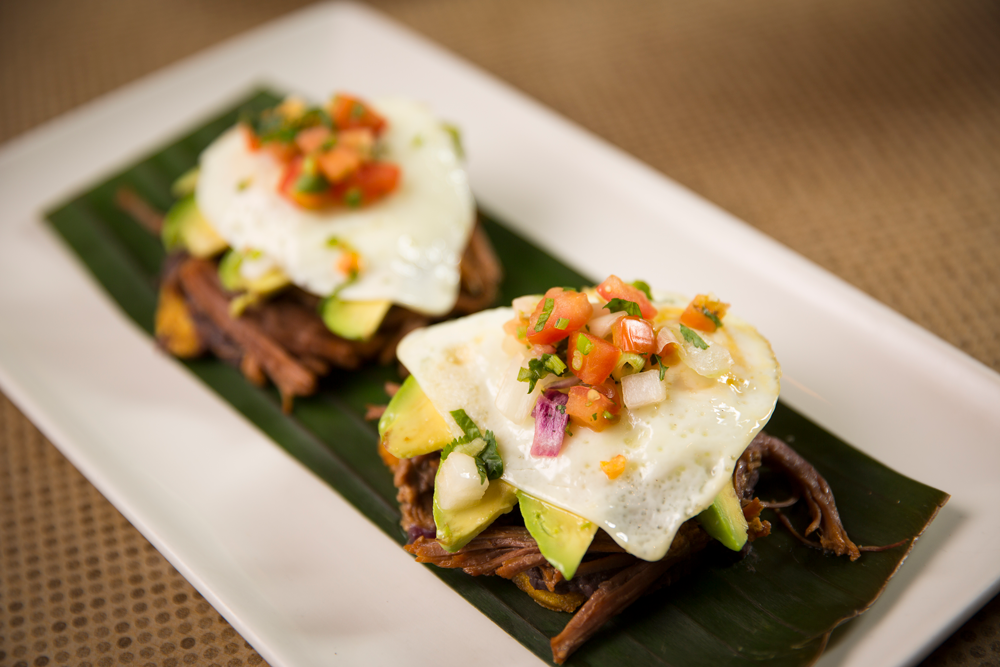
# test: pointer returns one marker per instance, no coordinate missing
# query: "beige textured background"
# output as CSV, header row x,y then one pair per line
x,y
864,134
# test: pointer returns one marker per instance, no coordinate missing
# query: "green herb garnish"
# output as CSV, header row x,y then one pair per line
x,y
693,338
539,368
311,183
487,457
643,286
584,344
353,197
712,316
550,304
630,307
456,139
655,359
562,323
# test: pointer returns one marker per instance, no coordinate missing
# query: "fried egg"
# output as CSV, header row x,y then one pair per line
x,y
410,243
680,452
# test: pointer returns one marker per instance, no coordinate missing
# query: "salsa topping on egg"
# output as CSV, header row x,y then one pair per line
x,y
330,152
614,355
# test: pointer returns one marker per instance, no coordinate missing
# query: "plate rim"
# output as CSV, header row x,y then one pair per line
x,y
956,366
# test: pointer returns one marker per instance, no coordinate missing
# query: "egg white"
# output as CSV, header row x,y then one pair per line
x,y
680,452
411,242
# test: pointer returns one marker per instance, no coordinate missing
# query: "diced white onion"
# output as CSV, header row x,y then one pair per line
x,y
600,326
642,389
713,362
458,484
524,306
513,399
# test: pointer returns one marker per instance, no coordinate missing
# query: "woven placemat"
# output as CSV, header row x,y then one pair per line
x,y
864,134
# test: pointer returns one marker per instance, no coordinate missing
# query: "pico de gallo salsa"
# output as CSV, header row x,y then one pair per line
x,y
329,152
596,350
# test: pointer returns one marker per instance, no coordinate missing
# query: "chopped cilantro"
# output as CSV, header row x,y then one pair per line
x,y
539,368
655,359
456,138
468,426
693,338
544,316
487,457
643,286
630,307
353,197
712,316
311,183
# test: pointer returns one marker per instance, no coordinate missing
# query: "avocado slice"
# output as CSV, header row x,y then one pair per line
x,y
724,519
353,320
186,182
233,280
185,227
411,425
456,528
563,537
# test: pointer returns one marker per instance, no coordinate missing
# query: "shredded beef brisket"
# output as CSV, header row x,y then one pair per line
x,y
608,580
283,339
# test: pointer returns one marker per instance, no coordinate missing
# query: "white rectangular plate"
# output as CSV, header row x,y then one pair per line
x,y
222,503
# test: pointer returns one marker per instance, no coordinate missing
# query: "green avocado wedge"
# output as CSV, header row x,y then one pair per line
x,y
185,227
562,537
411,425
353,320
724,519
455,528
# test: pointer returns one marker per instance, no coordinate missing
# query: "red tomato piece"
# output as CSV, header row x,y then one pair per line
x,y
591,358
370,182
339,163
312,138
615,288
703,312
310,200
588,406
633,334
560,313
349,112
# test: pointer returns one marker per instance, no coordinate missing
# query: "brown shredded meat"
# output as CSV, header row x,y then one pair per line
x,y
775,454
283,339
608,580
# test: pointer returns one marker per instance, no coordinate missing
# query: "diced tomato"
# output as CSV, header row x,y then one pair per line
x,y
349,112
253,141
615,467
370,182
615,288
567,312
312,138
700,312
591,407
310,200
339,163
633,334
591,358
361,140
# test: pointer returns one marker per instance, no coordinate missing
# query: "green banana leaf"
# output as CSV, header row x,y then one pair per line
x,y
778,605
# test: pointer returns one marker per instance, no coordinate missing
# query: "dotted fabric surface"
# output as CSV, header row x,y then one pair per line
x,y
79,585
864,134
